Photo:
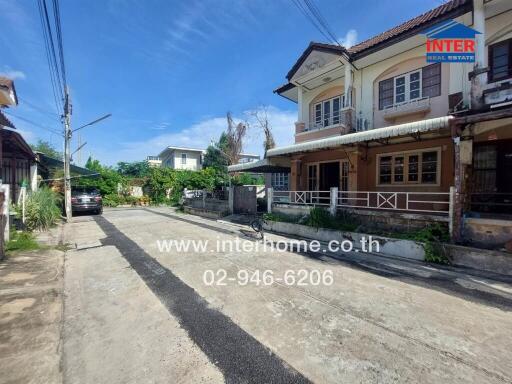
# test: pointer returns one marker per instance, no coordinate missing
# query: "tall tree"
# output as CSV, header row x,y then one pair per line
x,y
47,148
216,156
135,169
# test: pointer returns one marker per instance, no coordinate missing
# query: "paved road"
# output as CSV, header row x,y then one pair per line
x,y
136,314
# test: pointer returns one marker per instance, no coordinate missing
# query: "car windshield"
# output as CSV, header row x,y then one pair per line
x,y
84,190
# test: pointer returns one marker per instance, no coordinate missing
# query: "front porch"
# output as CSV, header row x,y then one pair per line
x,y
385,210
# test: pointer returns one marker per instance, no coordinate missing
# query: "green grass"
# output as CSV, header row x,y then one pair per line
x,y
281,217
22,241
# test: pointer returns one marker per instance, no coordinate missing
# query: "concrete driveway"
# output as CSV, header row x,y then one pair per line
x,y
135,312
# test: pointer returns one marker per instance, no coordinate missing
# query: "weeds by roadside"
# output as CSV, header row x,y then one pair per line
x,y
432,237
22,241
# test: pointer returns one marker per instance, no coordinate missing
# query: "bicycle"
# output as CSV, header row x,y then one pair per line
x,y
257,224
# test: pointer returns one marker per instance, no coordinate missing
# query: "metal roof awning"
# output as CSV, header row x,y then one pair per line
x,y
262,166
416,127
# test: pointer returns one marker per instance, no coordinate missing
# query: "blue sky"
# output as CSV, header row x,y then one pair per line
x,y
169,71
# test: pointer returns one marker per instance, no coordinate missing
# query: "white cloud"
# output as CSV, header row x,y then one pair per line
x,y
12,74
349,39
201,134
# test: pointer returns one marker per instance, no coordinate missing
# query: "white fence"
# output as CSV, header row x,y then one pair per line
x,y
419,202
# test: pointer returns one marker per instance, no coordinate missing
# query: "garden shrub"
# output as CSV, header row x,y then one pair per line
x,y
42,209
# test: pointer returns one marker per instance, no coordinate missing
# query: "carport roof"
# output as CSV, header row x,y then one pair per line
x,y
261,166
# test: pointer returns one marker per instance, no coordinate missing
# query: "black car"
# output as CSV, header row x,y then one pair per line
x,y
86,199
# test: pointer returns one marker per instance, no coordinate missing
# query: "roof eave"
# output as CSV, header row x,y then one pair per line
x,y
322,47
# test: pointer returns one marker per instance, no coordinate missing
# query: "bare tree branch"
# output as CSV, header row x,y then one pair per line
x,y
261,117
235,135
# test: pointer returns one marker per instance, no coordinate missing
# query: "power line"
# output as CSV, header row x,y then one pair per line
x,y
304,11
40,109
321,19
56,94
33,123
56,12
313,14
52,48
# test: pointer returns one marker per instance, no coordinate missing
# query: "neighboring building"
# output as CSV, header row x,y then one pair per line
x,y
154,161
393,132
182,158
17,160
247,158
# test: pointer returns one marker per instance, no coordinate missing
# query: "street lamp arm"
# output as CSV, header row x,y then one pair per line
x,y
93,122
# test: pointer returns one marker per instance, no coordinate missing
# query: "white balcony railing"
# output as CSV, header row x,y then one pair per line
x,y
431,202
407,108
302,197
342,118
419,202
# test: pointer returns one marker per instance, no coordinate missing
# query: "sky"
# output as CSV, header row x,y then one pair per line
x,y
169,71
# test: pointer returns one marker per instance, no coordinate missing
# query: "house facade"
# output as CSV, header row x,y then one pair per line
x,y
17,160
154,161
182,158
393,133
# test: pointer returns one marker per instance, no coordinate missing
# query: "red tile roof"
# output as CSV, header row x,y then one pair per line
x,y
449,9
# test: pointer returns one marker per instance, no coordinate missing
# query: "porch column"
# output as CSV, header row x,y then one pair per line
x,y
295,182
348,85
33,177
462,200
480,78
333,203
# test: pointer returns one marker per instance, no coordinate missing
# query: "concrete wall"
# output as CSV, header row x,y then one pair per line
x,y
375,219
481,259
487,232
390,247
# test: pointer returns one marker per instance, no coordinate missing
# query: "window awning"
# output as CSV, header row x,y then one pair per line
x,y
416,127
262,166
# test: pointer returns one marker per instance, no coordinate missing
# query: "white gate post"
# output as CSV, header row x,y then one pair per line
x,y
333,201
270,197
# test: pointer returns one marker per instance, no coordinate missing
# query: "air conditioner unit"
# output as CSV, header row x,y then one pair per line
x,y
362,124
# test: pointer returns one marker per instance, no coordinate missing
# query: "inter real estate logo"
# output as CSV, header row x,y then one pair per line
x,y
451,42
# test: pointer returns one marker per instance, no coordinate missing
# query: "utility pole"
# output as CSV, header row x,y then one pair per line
x,y
67,155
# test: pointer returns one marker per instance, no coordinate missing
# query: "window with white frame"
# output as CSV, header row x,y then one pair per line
x,y
183,158
414,85
280,180
328,112
417,167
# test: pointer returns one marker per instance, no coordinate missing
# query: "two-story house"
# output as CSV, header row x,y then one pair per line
x,y
182,158
392,132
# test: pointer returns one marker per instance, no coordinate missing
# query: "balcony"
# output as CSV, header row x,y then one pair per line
x,y
498,94
341,122
407,108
